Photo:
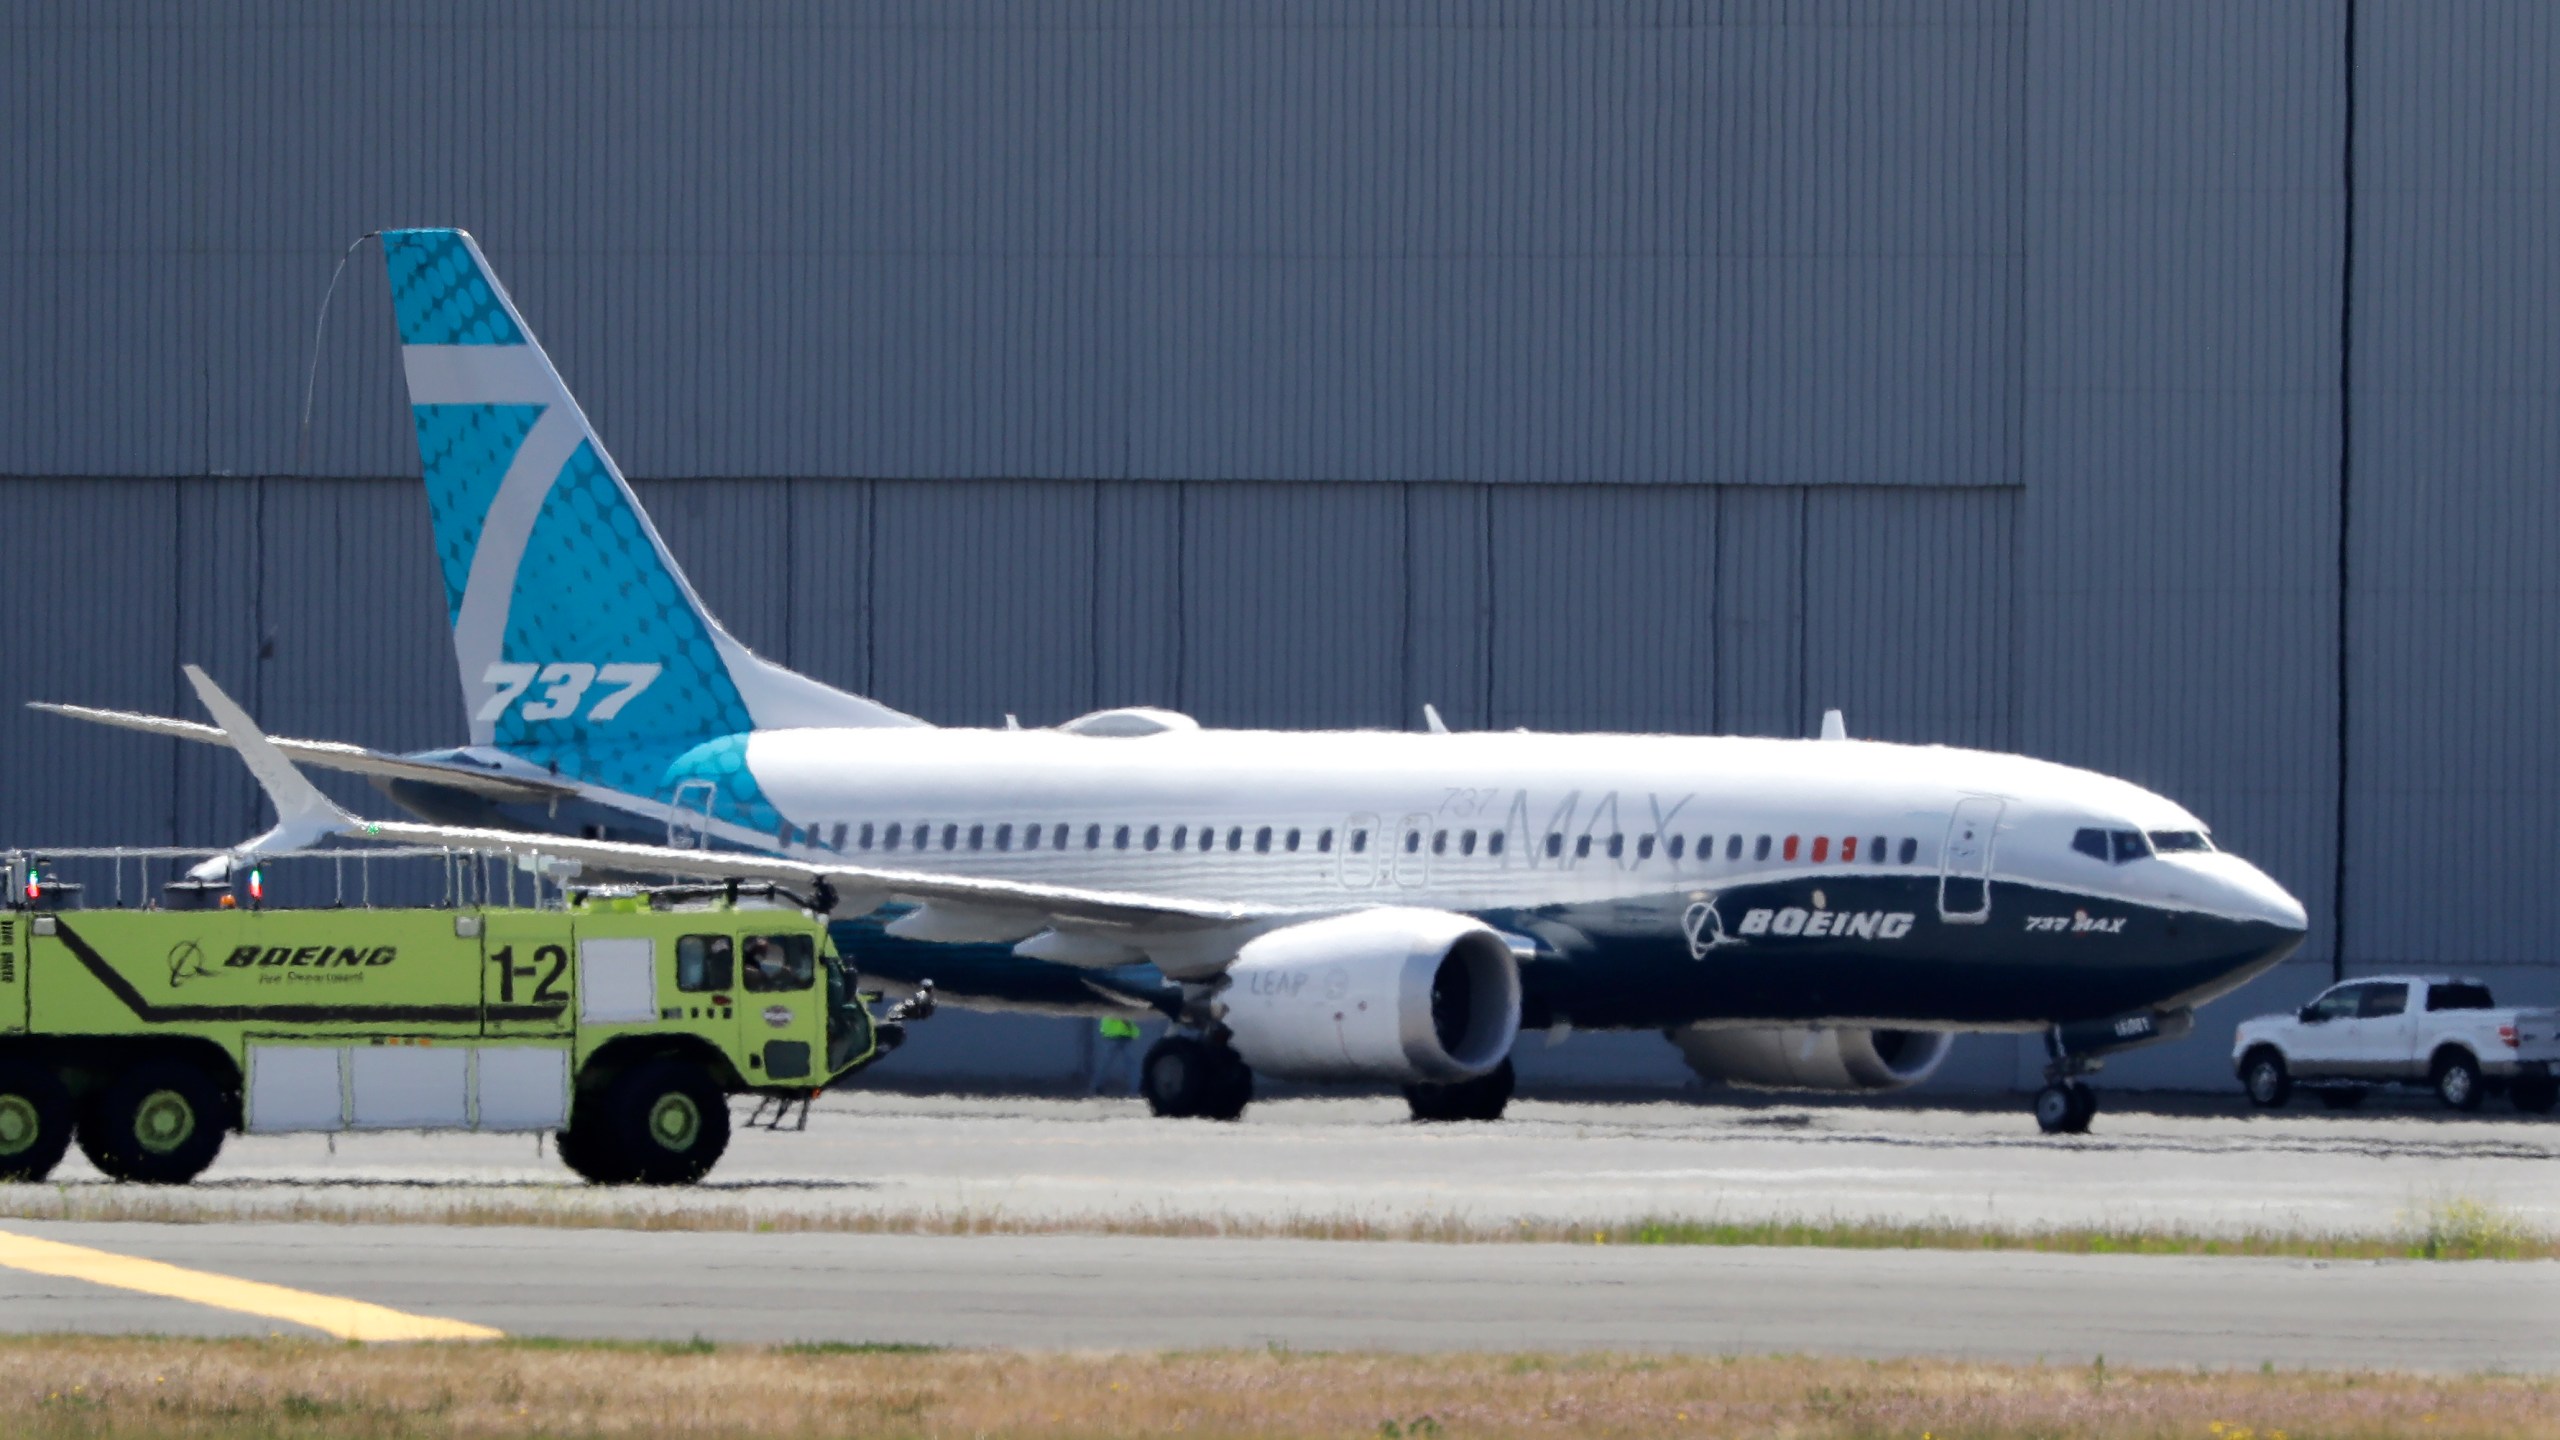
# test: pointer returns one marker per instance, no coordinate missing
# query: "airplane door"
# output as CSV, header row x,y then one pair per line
x,y
688,818
1964,873
1412,860
1360,841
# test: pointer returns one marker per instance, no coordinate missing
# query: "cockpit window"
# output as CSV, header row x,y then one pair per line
x,y
2172,842
2113,846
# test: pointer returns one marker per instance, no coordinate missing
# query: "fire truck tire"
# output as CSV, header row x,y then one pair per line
x,y
160,1123
587,1147
669,1121
35,1121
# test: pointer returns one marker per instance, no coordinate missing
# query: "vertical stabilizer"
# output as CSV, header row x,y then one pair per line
x,y
571,623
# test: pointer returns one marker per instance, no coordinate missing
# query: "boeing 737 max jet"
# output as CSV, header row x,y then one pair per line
x,y
1325,905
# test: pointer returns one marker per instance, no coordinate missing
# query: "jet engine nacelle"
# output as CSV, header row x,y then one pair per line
x,y
1399,995
1806,1057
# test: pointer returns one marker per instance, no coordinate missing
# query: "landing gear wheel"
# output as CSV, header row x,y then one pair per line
x,y
2535,1095
2066,1108
159,1123
1482,1098
35,1121
2458,1082
1187,1078
2268,1082
667,1122
2346,1097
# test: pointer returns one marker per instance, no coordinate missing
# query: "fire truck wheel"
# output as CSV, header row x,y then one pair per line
x,y
669,1121
159,1123
35,1120
587,1147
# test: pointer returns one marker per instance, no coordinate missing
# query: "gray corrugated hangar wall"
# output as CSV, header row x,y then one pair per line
x,y
2003,373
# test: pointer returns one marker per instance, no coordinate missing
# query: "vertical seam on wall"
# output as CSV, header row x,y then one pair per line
x,y
2346,456
2018,499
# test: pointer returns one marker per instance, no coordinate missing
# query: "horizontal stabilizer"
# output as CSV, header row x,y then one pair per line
x,y
333,755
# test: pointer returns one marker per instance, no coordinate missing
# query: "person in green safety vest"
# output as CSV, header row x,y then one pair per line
x,y
1115,1056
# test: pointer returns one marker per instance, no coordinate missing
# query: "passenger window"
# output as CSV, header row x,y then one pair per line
x,y
1821,848
1291,842
1324,842
1617,847
890,841
1004,837
1733,847
1440,842
2460,995
950,836
1120,838
837,843
1058,838
1262,841
862,837
1155,834
1359,842
1674,846
1093,837
1760,848
1493,843
1910,847
1466,842
704,963
1644,847
1875,852
1582,847
977,837
1181,837
1555,844
780,962
1235,838
1789,853
1413,842
2381,1002
1030,837
1848,849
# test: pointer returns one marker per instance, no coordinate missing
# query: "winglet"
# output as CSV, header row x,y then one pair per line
x,y
1431,720
1833,727
303,814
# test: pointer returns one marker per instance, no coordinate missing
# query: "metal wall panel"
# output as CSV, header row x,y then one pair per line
x,y
1603,615
2456,443
1571,240
2180,444
1759,619
983,601
1909,605
1294,610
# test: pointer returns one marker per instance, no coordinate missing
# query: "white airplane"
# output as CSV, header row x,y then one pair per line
x,y
1321,906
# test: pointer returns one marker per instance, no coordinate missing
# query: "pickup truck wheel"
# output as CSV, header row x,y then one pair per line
x,y
668,1122
2343,1098
2268,1082
159,1123
2457,1079
35,1121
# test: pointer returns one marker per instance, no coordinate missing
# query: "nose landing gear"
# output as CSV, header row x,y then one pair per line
x,y
2065,1107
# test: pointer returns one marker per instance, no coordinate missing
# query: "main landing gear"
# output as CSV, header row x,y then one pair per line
x,y
1192,1077
2066,1104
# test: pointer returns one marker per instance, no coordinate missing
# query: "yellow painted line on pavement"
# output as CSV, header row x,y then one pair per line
x,y
335,1314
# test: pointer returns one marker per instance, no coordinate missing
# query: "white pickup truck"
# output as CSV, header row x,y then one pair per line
x,y
2431,1030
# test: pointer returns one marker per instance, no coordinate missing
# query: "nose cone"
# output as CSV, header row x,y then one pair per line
x,y
2256,896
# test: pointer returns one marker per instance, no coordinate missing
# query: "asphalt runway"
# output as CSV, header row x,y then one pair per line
x,y
1323,1159
1104,1293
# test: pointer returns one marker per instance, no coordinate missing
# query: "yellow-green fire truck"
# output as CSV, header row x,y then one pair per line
x,y
622,1023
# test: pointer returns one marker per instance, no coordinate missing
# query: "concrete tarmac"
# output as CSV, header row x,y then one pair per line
x,y
2224,1170
1086,1292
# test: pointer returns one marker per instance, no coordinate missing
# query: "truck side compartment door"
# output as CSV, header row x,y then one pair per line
x,y
13,974
527,984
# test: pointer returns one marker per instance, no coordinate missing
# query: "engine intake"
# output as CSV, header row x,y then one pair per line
x,y
1806,1057
1400,995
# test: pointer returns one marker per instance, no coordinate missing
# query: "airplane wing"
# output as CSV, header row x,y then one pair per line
x,y
334,755
1070,924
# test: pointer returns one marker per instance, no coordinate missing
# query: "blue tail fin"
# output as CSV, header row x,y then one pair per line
x,y
573,627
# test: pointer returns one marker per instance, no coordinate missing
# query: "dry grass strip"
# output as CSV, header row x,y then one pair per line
x,y
57,1388
2445,1229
